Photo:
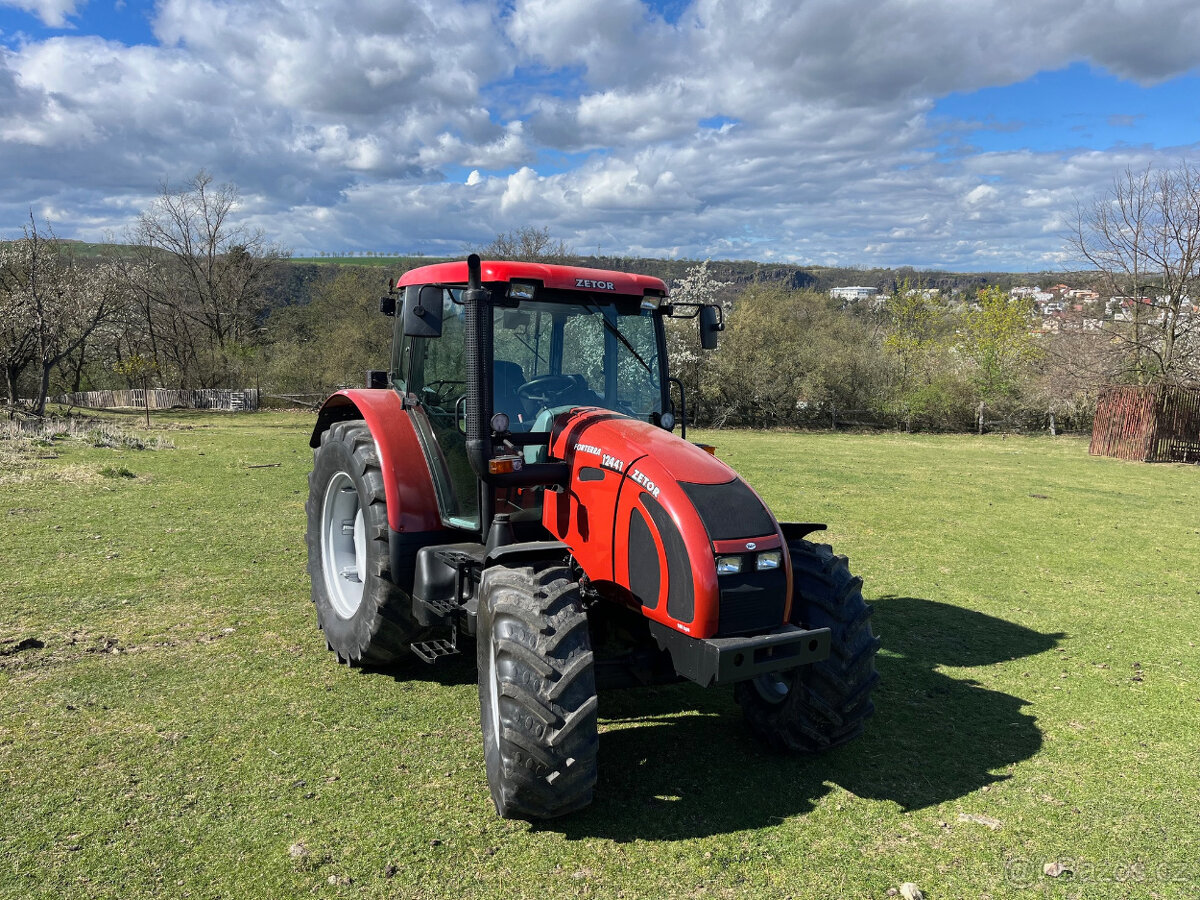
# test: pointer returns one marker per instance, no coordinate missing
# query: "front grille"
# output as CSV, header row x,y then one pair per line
x,y
751,601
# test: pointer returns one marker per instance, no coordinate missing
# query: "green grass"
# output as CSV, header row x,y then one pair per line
x,y
172,725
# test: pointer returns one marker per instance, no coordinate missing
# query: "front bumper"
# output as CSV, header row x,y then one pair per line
x,y
726,660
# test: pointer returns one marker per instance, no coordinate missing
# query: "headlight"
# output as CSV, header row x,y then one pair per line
x,y
770,560
729,565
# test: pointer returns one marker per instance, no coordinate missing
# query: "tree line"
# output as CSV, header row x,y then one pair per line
x,y
195,298
180,303
797,358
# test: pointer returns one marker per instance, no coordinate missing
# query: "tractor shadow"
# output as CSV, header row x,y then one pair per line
x,y
677,762
450,672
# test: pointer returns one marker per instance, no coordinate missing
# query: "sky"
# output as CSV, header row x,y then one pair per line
x,y
932,133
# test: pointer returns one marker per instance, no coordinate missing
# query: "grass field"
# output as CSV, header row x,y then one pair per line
x,y
172,725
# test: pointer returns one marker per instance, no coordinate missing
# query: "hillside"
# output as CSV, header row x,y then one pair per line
x,y
294,279
744,272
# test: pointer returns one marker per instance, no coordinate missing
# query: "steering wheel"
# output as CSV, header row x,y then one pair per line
x,y
542,388
441,391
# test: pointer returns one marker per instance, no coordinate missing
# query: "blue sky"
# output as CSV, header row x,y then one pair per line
x,y
1074,108
128,22
844,132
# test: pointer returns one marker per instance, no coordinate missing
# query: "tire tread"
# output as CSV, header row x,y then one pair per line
x,y
547,693
829,702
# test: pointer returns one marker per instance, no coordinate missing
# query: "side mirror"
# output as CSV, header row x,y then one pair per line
x,y
377,378
711,322
423,311
387,305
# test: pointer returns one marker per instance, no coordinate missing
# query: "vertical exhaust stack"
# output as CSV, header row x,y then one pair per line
x,y
479,338
479,370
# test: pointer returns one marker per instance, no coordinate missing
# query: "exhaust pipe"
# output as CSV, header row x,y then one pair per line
x,y
479,370
479,336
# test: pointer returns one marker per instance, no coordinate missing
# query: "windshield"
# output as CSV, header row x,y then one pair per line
x,y
552,356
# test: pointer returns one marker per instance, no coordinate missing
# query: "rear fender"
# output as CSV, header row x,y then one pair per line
x,y
407,482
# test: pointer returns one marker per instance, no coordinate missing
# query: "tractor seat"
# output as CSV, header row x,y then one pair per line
x,y
507,378
537,453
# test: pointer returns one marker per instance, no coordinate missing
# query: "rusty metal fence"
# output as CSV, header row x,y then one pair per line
x,y
1148,423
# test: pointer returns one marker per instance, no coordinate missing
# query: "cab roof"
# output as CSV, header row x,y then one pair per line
x,y
568,278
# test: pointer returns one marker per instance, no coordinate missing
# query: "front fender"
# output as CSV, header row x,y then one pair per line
x,y
407,482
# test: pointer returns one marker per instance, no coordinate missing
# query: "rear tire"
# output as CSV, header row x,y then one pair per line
x,y
537,693
367,620
826,704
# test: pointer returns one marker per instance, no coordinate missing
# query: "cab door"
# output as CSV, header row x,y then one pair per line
x,y
435,387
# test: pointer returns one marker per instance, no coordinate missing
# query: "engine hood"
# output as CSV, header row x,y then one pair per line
x,y
649,512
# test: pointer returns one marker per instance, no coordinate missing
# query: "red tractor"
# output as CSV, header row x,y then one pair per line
x,y
515,478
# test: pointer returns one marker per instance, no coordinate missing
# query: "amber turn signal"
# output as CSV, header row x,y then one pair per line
x,y
502,465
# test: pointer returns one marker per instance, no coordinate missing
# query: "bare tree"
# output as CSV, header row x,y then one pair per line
x,y
1143,237
158,325
205,296
528,244
1067,377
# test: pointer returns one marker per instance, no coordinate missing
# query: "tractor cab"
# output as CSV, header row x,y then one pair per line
x,y
549,339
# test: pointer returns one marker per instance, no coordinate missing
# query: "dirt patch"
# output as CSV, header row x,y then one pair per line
x,y
38,652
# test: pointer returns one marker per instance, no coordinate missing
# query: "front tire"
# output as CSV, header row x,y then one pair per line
x,y
823,705
537,693
367,620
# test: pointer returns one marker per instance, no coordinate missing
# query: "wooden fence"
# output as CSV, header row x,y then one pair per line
x,y
1151,423
161,398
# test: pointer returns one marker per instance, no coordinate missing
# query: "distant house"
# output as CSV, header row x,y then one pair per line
x,y
853,294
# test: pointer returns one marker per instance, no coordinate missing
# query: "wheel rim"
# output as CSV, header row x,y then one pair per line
x,y
343,545
773,687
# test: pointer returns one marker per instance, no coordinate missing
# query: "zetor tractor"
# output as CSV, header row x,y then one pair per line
x,y
515,478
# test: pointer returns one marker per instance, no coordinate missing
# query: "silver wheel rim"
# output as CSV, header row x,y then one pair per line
x,y
773,687
343,545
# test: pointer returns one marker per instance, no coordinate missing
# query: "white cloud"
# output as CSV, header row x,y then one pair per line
x,y
983,193
53,13
356,122
616,41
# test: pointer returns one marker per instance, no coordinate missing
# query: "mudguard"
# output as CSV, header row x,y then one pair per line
x,y
408,484
650,512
